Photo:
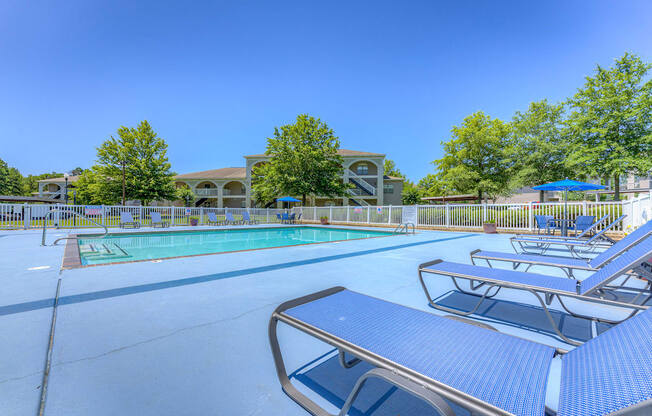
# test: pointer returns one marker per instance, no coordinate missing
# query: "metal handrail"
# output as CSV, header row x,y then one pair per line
x,y
45,222
364,184
405,225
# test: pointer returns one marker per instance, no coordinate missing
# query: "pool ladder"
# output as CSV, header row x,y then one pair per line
x,y
45,222
404,228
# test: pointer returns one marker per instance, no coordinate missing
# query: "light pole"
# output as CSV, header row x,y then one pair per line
x,y
65,177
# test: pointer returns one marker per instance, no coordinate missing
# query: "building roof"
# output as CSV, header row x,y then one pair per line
x,y
450,198
341,152
71,178
224,173
393,178
14,198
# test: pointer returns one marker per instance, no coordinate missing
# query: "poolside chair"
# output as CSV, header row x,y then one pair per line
x,y
444,361
212,219
126,220
577,247
583,223
157,221
292,218
285,218
247,219
545,288
567,264
586,233
230,220
541,222
278,217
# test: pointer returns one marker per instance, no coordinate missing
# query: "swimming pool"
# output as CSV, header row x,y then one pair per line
x,y
123,247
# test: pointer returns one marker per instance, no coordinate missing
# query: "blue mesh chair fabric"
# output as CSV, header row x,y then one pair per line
x,y
534,258
634,237
610,372
507,372
631,258
541,281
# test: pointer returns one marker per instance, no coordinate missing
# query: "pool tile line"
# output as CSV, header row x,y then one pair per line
x,y
130,290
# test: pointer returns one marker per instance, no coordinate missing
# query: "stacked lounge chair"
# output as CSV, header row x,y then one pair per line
x,y
568,264
444,361
576,246
127,220
157,221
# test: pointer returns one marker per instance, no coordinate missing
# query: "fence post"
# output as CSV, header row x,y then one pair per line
x,y
448,216
583,207
267,215
201,215
314,215
103,216
530,217
484,212
330,213
416,219
368,212
172,219
27,212
389,215
140,214
348,217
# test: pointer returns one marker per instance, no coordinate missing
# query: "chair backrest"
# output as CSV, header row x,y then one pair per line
x,y
611,372
156,217
125,216
229,216
600,233
212,217
293,216
278,216
593,226
541,221
628,241
245,216
582,222
285,216
634,257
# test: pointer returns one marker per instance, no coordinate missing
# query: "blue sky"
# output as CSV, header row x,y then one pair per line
x,y
214,78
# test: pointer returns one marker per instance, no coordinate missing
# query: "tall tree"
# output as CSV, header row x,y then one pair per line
x,y
10,180
611,122
475,159
539,147
138,156
304,162
390,169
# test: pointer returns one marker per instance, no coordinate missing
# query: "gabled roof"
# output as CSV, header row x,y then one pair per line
x,y
393,178
71,178
341,152
224,173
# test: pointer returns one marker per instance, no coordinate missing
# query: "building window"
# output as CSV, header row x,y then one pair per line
x,y
362,169
388,189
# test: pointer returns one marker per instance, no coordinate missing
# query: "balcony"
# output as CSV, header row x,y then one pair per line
x,y
204,192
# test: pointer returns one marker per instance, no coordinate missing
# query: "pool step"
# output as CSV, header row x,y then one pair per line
x,y
102,251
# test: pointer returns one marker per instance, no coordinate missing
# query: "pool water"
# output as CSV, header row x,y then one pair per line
x,y
116,248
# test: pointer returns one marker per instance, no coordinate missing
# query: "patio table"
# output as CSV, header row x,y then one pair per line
x,y
564,222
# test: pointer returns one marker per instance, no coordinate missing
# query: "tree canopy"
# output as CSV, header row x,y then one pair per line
x,y
475,158
304,162
146,168
610,125
10,180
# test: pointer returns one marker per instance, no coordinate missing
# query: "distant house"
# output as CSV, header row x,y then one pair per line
x,y
231,187
55,188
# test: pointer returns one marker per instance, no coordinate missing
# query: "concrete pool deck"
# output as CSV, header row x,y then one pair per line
x,y
189,335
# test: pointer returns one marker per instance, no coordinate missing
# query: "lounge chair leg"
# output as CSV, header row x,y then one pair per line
x,y
433,399
551,320
344,363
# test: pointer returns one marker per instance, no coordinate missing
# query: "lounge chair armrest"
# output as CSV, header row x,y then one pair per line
x,y
429,263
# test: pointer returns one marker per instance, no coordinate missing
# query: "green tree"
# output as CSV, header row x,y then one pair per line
x,y
475,159
539,147
141,155
10,180
390,169
186,195
304,162
611,122
92,188
411,194
432,185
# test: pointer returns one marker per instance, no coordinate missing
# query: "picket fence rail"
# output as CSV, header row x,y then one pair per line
x,y
517,217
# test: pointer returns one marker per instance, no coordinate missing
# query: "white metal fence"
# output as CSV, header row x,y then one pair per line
x,y
466,216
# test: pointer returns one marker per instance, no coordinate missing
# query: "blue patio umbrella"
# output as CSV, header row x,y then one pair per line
x,y
568,185
288,199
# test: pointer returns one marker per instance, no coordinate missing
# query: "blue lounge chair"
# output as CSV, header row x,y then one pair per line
x,y
212,219
292,218
577,247
567,264
157,221
541,222
444,361
246,218
546,288
127,220
285,218
231,220
278,218
583,223
586,233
